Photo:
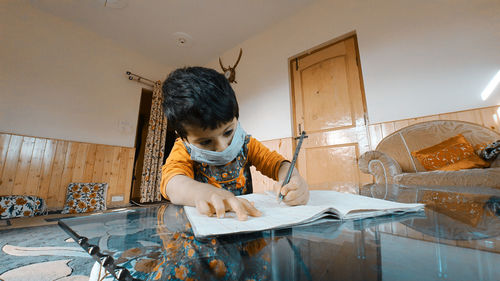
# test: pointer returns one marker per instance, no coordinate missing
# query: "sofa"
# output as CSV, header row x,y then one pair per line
x,y
392,161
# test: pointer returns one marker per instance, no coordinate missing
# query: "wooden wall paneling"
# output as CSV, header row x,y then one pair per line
x,y
107,168
57,174
4,147
47,168
121,177
128,175
11,161
412,121
90,161
488,117
400,124
122,173
80,159
32,184
428,118
44,167
97,173
375,135
23,165
491,118
113,175
67,174
448,116
387,129
283,146
472,116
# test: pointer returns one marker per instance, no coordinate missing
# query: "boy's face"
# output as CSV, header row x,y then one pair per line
x,y
217,139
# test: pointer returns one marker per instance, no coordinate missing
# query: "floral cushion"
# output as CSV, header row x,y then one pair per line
x,y
453,154
14,206
85,198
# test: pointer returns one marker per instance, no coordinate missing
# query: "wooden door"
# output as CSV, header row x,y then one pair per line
x,y
329,105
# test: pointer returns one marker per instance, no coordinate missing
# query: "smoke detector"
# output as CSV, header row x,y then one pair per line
x,y
183,40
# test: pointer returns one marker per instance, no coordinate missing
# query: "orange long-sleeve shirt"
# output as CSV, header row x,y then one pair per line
x,y
234,176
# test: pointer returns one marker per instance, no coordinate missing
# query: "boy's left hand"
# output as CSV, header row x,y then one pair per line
x,y
296,192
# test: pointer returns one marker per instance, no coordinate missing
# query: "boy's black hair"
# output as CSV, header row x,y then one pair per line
x,y
198,96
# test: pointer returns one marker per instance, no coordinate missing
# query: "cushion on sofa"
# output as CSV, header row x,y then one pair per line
x,y
85,197
15,206
401,143
452,154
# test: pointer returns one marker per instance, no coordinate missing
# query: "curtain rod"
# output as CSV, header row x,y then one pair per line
x,y
140,79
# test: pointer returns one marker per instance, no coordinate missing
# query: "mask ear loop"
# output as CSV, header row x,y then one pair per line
x,y
179,136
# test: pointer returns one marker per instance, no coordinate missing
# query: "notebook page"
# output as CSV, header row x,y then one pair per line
x,y
274,215
356,206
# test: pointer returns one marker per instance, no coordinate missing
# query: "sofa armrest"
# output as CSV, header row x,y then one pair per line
x,y
495,163
380,165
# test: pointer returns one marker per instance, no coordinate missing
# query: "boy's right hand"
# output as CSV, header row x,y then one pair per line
x,y
208,199
218,203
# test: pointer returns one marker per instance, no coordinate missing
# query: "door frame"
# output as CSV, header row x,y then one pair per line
x,y
314,50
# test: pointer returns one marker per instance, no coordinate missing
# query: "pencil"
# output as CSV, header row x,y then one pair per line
x,y
292,165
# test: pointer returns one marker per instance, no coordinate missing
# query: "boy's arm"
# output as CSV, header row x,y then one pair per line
x,y
178,185
265,161
273,165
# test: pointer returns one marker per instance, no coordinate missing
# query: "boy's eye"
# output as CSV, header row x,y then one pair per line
x,y
228,133
205,142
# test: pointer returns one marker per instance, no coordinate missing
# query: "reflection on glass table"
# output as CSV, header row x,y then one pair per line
x,y
458,240
455,238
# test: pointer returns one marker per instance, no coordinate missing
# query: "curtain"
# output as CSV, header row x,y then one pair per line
x,y
154,149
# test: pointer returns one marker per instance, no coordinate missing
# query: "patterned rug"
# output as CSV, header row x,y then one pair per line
x,y
44,253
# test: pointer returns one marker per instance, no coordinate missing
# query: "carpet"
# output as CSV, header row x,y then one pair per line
x,y
44,253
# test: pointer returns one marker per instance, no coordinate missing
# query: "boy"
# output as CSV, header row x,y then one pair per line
x,y
210,163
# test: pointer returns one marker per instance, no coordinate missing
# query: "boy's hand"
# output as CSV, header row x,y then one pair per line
x,y
208,199
296,192
221,202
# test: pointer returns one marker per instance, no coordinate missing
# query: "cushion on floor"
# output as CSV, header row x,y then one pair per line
x,y
15,206
85,197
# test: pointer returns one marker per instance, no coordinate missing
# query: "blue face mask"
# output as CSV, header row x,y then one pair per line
x,y
222,157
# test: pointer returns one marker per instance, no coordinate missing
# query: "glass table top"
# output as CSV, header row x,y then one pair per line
x,y
456,237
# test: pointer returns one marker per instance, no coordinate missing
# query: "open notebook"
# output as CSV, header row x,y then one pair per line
x,y
321,204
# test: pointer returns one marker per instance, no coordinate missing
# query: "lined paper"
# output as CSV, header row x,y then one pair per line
x,y
274,215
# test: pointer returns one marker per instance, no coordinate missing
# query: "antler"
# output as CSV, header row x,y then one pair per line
x,y
223,68
230,72
239,57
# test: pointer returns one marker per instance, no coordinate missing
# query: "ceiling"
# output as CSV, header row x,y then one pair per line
x,y
152,27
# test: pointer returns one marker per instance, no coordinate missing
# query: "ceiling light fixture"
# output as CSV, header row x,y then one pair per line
x,y
183,39
491,86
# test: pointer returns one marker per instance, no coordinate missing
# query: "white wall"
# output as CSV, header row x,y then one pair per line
x,y
418,58
61,81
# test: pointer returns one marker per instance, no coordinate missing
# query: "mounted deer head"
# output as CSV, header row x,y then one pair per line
x,y
230,72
